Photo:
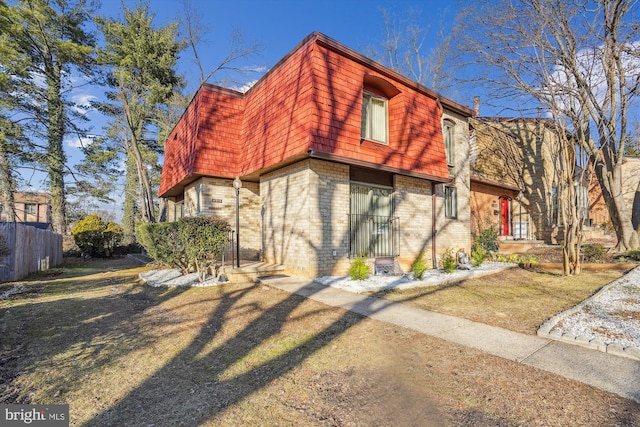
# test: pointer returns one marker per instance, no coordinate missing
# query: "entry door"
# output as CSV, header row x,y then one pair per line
x,y
505,216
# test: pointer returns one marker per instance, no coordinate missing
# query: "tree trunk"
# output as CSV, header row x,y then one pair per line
x,y
146,192
7,184
611,185
129,213
56,156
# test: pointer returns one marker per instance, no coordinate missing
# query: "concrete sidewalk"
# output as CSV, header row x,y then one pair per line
x,y
608,372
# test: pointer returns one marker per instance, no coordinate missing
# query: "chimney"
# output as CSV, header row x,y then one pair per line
x,y
476,106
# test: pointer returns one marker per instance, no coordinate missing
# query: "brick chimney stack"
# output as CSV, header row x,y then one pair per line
x,y
476,106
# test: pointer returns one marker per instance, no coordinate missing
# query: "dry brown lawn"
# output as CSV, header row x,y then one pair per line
x,y
121,353
516,299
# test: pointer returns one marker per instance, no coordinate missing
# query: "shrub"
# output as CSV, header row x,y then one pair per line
x,y
478,255
593,252
486,237
448,261
162,243
632,255
95,238
204,240
419,266
359,270
196,241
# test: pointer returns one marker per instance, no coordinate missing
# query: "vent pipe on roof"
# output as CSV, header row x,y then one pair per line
x,y
476,106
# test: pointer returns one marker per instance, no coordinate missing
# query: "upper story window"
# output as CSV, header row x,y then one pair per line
x,y
374,118
447,130
30,209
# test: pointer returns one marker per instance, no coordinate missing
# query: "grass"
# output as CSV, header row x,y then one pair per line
x,y
516,299
121,353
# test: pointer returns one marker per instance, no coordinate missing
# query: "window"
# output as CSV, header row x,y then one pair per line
x,y
450,202
582,201
374,117
372,228
30,209
178,211
447,130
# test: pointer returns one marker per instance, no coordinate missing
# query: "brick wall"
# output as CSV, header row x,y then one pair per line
x,y
284,195
455,233
217,198
413,207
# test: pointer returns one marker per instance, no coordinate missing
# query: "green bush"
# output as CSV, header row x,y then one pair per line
x,y
359,270
516,259
633,255
196,241
486,237
593,252
162,243
478,255
419,266
448,261
204,240
95,238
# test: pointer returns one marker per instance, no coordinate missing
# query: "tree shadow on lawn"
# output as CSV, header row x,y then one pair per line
x,y
218,369
71,333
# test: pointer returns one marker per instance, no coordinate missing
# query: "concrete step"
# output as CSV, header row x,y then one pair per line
x,y
249,271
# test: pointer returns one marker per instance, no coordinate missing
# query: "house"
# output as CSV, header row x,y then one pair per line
x,y
496,182
515,178
34,208
630,190
337,156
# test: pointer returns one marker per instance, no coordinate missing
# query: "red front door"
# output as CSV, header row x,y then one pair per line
x,y
504,217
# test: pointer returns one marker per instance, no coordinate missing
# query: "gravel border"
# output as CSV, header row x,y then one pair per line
x,y
608,321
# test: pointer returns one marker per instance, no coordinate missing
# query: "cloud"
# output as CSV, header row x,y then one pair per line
x,y
78,142
82,103
245,87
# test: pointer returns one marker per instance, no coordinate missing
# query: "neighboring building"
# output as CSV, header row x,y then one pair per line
x,y
630,190
338,156
515,180
496,182
30,208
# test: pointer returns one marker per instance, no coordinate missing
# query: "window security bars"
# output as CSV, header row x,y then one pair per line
x,y
374,235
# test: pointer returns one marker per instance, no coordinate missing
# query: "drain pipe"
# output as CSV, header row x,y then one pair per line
x,y
434,230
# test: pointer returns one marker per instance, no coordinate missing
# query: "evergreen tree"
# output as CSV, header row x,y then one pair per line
x,y
142,75
52,48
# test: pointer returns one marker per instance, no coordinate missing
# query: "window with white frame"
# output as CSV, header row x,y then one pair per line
x,y
447,130
450,202
374,117
30,209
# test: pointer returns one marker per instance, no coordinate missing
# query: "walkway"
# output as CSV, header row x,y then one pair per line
x,y
608,372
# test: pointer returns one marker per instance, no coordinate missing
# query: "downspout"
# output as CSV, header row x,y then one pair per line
x,y
434,230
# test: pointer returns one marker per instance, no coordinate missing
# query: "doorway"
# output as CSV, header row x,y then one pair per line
x,y
505,216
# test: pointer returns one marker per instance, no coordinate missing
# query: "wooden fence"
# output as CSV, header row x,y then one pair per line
x,y
31,250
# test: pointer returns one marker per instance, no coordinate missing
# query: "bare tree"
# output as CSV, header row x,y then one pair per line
x,y
405,50
194,30
577,59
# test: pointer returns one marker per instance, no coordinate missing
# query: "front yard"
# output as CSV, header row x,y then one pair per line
x,y
120,353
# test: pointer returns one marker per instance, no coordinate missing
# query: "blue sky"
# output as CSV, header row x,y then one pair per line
x,y
277,25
